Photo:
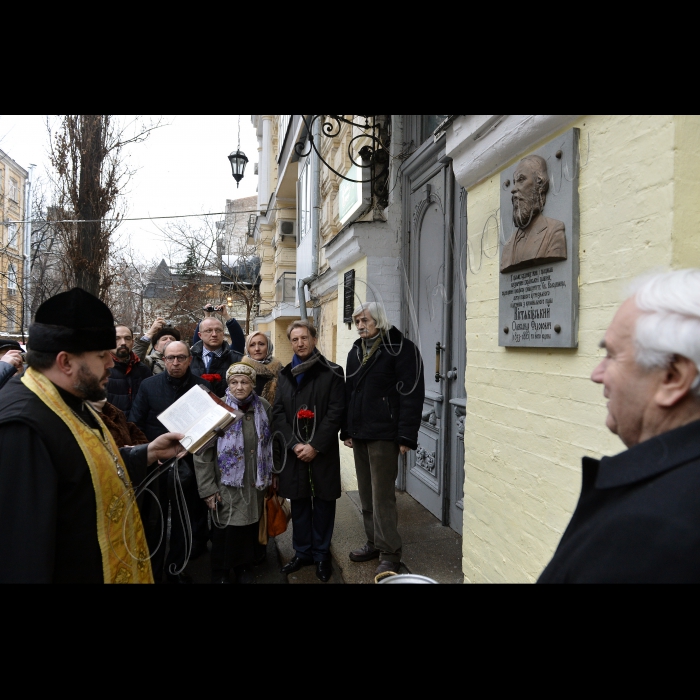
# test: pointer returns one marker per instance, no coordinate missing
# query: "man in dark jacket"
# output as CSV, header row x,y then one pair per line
x,y
384,393
66,491
232,326
212,355
156,394
638,516
310,477
127,374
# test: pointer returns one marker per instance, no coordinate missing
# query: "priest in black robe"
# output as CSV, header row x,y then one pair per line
x,y
67,507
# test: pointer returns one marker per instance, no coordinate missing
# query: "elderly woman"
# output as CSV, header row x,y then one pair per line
x,y
232,477
258,350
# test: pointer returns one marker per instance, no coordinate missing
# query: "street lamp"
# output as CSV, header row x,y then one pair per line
x,y
238,159
238,162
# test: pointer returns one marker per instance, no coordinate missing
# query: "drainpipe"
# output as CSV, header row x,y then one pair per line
x,y
27,247
315,219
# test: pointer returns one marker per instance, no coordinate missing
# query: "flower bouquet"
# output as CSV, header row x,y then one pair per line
x,y
306,423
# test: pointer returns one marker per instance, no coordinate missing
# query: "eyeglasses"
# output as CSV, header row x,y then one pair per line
x,y
179,358
215,330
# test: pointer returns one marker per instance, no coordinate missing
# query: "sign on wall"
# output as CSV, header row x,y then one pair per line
x,y
538,264
348,296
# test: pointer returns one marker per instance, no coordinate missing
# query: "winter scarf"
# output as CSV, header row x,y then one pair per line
x,y
299,367
232,453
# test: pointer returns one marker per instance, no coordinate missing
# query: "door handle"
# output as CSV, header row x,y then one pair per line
x,y
452,374
438,349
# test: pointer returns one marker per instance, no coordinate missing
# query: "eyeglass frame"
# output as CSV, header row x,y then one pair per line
x,y
179,358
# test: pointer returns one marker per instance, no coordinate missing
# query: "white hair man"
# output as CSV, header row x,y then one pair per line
x,y
638,516
384,393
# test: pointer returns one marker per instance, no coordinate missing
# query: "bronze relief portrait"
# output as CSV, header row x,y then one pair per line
x,y
537,239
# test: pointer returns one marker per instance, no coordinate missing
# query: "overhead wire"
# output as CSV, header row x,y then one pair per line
x,y
136,218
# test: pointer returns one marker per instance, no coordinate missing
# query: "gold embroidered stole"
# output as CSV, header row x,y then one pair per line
x,y
125,557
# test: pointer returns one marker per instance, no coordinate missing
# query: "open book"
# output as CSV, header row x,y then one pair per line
x,y
201,416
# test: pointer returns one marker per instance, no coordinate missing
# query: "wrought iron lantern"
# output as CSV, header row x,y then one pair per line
x,y
238,159
238,162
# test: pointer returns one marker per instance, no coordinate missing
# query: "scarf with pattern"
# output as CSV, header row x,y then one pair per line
x,y
232,450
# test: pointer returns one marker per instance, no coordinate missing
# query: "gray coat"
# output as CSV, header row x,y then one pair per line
x,y
239,506
154,361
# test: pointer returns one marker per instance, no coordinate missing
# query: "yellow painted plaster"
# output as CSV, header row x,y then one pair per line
x,y
686,205
533,413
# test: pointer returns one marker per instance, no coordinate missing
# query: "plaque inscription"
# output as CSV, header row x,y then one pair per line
x,y
538,281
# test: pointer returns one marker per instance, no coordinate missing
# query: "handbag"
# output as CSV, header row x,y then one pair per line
x,y
278,513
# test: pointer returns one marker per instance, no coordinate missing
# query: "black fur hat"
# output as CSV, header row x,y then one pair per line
x,y
73,321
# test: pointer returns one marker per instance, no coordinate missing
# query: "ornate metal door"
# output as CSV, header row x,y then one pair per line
x,y
435,318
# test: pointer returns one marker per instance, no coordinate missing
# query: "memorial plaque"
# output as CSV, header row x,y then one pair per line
x,y
348,296
538,257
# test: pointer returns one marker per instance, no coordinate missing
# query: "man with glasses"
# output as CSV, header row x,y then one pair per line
x,y
155,395
212,355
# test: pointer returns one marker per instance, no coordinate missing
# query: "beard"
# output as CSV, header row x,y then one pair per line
x,y
88,386
526,209
122,353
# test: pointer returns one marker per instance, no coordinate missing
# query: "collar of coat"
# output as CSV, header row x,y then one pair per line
x,y
393,337
318,364
198,348
647,459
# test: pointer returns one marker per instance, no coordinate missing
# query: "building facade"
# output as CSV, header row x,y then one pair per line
x,y
13,181
503,465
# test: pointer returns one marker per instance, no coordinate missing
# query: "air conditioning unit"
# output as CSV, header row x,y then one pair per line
x,y
288,228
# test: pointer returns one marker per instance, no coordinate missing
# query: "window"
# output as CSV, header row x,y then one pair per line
x,y
12,234
14,190
11,279
282,131
11,320
304,203
430,122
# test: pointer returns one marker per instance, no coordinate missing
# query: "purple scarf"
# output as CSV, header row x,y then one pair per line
x,y
232,452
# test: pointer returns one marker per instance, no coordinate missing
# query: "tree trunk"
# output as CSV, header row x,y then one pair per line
x,y
90,256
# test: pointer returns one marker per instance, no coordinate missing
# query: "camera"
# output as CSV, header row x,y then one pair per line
x,y
209,308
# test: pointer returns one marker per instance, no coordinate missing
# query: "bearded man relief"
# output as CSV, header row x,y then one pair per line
x,y
537,239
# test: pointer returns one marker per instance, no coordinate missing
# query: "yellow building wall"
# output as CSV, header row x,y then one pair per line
x,y
344,339
283,348
533,413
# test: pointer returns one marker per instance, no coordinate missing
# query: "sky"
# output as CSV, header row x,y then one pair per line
x,y
182,168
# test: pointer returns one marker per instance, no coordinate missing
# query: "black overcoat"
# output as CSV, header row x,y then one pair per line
x,y
48,510
638,516
384,399
124,384
218,365
321,391
158,393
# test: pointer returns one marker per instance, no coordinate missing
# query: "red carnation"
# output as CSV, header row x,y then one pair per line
x,y
305,413
212,377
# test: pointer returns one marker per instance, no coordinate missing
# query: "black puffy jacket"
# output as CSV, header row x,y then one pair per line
x,y
384,399
218,365
124,381
156,394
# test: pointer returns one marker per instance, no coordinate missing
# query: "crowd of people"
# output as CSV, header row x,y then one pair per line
x,y
88,473
80,435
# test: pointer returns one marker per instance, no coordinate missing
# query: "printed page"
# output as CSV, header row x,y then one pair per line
x,y
194,414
